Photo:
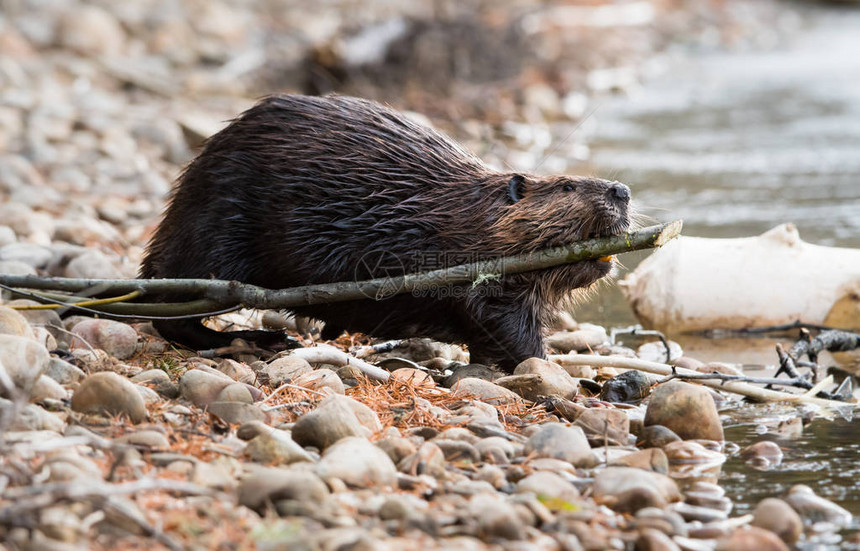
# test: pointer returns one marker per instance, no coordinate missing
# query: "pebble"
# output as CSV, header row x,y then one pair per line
x,y
630,387
549,486
201,388
604,426
656,436
91,30
13,323
63,372
237,413
485,391
321,380
762,455
561,442
333,420
285,369
814,509
428,459
237,371
92,264
627,489
7,236
264,485
396,448
151,439
358,463
275,447
496,518
552,380
686,409
750,538
235,392
497,450
777,516
108,392
30,254
116,338
24,360
651,459
475,371
47,388
33,417
651,539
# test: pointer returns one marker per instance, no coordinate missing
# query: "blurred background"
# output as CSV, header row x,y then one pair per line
x,y
735,115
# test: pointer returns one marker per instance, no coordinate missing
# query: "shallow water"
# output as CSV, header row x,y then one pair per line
x,y
736,143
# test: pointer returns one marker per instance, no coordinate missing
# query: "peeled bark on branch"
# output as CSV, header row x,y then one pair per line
x,y
218,294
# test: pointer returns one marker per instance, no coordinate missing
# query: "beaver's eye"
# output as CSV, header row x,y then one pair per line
x,y
568,187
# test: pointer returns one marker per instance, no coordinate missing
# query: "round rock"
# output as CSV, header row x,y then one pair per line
x,y
485,391
627,489
266,485
777,516
358,463
558,441
13,323
108,392
686,409
275,447
116,338
24,360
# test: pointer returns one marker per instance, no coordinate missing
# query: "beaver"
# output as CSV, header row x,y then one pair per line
x,y
303,190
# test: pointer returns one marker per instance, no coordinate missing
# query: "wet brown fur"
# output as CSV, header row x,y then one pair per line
x,y
301,190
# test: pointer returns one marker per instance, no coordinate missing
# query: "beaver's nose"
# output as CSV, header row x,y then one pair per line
x,y
619,192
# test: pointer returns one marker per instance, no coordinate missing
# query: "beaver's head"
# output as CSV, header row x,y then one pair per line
x,y
548,211
542,212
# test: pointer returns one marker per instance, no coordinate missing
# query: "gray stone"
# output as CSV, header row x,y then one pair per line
x,y
236,392
108,392
237,413
777,516
535,377
627,489
202,388
485,391
546,486
34,417
562,442
275,447
24,360
285,370
63,372
27,253
267,485
13,323
46,387
336,417
358,463
151,439
496,518
813,508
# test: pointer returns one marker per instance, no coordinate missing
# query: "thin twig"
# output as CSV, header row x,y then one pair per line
x,y
744,389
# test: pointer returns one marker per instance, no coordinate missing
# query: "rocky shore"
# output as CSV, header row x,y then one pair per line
x,y
110,438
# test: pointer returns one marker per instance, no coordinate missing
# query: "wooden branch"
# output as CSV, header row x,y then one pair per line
x,y
744,389
230,293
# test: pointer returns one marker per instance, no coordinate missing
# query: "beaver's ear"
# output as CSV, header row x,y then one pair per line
x,y
516,187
